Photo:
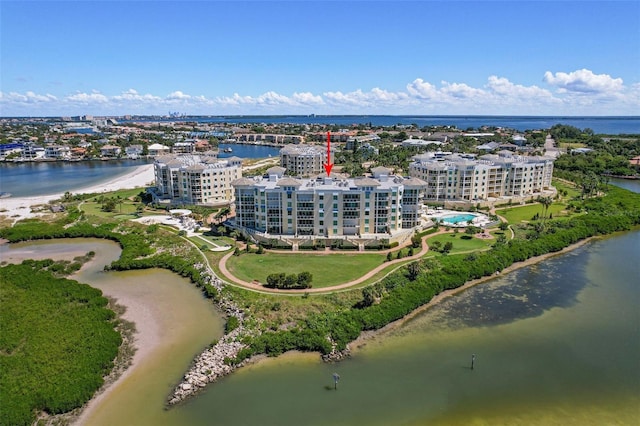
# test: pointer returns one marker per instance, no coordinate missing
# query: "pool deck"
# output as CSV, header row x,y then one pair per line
x,y
480,219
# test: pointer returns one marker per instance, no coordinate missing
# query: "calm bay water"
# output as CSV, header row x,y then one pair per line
x,y
175,316
53,177
605,125
555,343
248,151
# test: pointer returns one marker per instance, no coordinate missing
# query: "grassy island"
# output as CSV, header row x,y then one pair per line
x,y
57,342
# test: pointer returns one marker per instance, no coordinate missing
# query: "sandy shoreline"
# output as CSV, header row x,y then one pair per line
x,y
18,208
147,337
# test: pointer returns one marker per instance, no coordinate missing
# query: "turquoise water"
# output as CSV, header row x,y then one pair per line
x,y
458,218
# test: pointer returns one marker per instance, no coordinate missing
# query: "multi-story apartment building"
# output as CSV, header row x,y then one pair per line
x,y
195,179
465,178
382,205
271,139
304,160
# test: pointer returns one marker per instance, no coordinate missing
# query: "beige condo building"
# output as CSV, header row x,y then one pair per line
x,y
195,179
304,160
459,177
368,207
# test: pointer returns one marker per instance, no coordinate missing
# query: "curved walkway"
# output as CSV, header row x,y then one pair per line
x,y
253,286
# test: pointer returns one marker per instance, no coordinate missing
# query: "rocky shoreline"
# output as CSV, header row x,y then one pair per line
x,y
213,363
210,365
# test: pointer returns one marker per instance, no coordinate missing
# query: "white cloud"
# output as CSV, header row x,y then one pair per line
x,y
376,100
503,87
178,95
308,98
26,98
132,95
579,92
88,98
584,81
422,89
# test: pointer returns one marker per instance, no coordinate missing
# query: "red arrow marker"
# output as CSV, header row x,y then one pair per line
x,y
328,166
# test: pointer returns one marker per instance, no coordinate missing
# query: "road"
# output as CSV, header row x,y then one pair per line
x,y
550,147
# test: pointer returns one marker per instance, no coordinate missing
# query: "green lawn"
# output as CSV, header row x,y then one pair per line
x,y
211,242
461,244
571,145
327,270
127,209
525,213
572,191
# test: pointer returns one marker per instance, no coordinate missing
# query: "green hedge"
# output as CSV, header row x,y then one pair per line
x,y
403,295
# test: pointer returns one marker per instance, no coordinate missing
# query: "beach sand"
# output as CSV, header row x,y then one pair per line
x,y
18,208
148,337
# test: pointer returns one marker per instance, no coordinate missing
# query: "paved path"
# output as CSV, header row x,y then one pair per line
x,y
550,147
229,276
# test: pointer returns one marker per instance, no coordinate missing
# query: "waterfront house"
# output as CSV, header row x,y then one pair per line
x,y
57,152
158,149
78,153
10,148
133,151
202,145
32,152
110,151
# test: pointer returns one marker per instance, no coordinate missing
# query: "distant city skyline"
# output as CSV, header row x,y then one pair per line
x,y
319,57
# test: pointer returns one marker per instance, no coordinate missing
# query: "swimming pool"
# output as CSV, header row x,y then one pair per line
x,y
458,219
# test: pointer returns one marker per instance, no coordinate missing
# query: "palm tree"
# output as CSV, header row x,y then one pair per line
x,y
546,203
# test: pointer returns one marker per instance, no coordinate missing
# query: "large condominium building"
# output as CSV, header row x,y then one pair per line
x,y
304,160
460,177
382,205
196,179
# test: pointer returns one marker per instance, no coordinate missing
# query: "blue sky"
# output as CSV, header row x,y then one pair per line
x,y
323,57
